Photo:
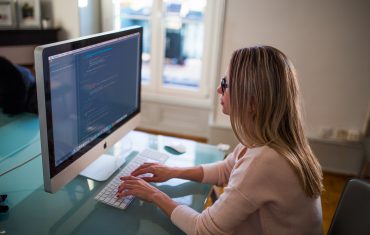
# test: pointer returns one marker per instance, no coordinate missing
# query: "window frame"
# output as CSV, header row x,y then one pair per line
x,y
213,28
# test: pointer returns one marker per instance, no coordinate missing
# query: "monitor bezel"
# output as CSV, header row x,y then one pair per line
x,y
57,176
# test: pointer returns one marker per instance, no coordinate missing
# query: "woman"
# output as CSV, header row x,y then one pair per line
x,y
273,179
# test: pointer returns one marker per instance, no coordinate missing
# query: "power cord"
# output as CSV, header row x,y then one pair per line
x,y
5,157
5,208
19,165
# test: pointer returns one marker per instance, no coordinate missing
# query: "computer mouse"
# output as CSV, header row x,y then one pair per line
x,y
175,148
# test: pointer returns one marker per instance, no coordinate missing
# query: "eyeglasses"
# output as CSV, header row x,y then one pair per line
x,y
224,85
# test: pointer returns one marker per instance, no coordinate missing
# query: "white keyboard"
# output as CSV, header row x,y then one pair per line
x,y
108,194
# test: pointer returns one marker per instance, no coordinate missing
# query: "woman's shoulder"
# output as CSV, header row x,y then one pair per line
x,y
237,151
264,160
262,153
238,148
264,169
266,154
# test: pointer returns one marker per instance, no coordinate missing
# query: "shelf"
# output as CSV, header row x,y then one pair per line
x,y
16,37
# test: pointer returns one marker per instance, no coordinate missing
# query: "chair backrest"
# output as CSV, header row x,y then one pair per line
x,y
352,215
367,148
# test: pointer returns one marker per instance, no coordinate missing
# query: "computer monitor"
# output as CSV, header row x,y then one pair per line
x,y
88,92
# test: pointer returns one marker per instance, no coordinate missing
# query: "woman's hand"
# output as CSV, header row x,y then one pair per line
x,y
160,172
137,187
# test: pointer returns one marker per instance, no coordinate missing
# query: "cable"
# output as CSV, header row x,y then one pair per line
x,y
5,157
19,165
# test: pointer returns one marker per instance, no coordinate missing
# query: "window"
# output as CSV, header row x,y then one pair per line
x,y
180,43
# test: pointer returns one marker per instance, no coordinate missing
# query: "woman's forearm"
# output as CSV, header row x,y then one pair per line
x,y
164,202
189,173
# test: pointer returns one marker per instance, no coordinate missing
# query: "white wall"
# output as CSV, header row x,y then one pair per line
x,y
329,43
73,21
66,16
90,20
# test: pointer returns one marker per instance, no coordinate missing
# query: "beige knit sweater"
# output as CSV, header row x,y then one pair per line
x,y
263,196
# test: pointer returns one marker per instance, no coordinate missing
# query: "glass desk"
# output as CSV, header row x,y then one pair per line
x,y
73,210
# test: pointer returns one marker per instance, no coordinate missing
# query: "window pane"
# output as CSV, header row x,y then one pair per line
x,y
137,12
184,43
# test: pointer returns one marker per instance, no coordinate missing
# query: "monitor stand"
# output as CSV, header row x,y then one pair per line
x,y
103,167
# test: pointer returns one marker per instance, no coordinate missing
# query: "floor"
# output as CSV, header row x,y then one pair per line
x,y
333,184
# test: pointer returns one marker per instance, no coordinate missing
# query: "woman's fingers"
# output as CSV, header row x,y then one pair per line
x,y
129,177
142,171
144,168
151,179
125,193
128,184
136,187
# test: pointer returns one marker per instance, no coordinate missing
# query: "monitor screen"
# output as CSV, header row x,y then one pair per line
x,y
89,98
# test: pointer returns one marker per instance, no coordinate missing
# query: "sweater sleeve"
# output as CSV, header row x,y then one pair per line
x,y
218,173
221,218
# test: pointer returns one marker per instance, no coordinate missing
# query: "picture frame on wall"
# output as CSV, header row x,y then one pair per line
x,y
7,14
29,13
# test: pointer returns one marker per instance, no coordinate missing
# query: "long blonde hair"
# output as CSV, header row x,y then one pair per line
x,y
265,110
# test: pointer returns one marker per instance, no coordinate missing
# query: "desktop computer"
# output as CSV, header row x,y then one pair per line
x,y
88,92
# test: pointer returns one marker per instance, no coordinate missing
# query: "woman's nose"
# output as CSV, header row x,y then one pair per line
x,y
219,89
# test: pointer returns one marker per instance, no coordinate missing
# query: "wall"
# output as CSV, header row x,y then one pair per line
x,y
170,118
22,55
328,41
73,21
90,20
339,157
66,16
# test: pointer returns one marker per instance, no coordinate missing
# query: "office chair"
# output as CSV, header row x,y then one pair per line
x,y
352,215
366,143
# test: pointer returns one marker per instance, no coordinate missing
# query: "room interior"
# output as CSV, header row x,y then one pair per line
x,y
328,43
